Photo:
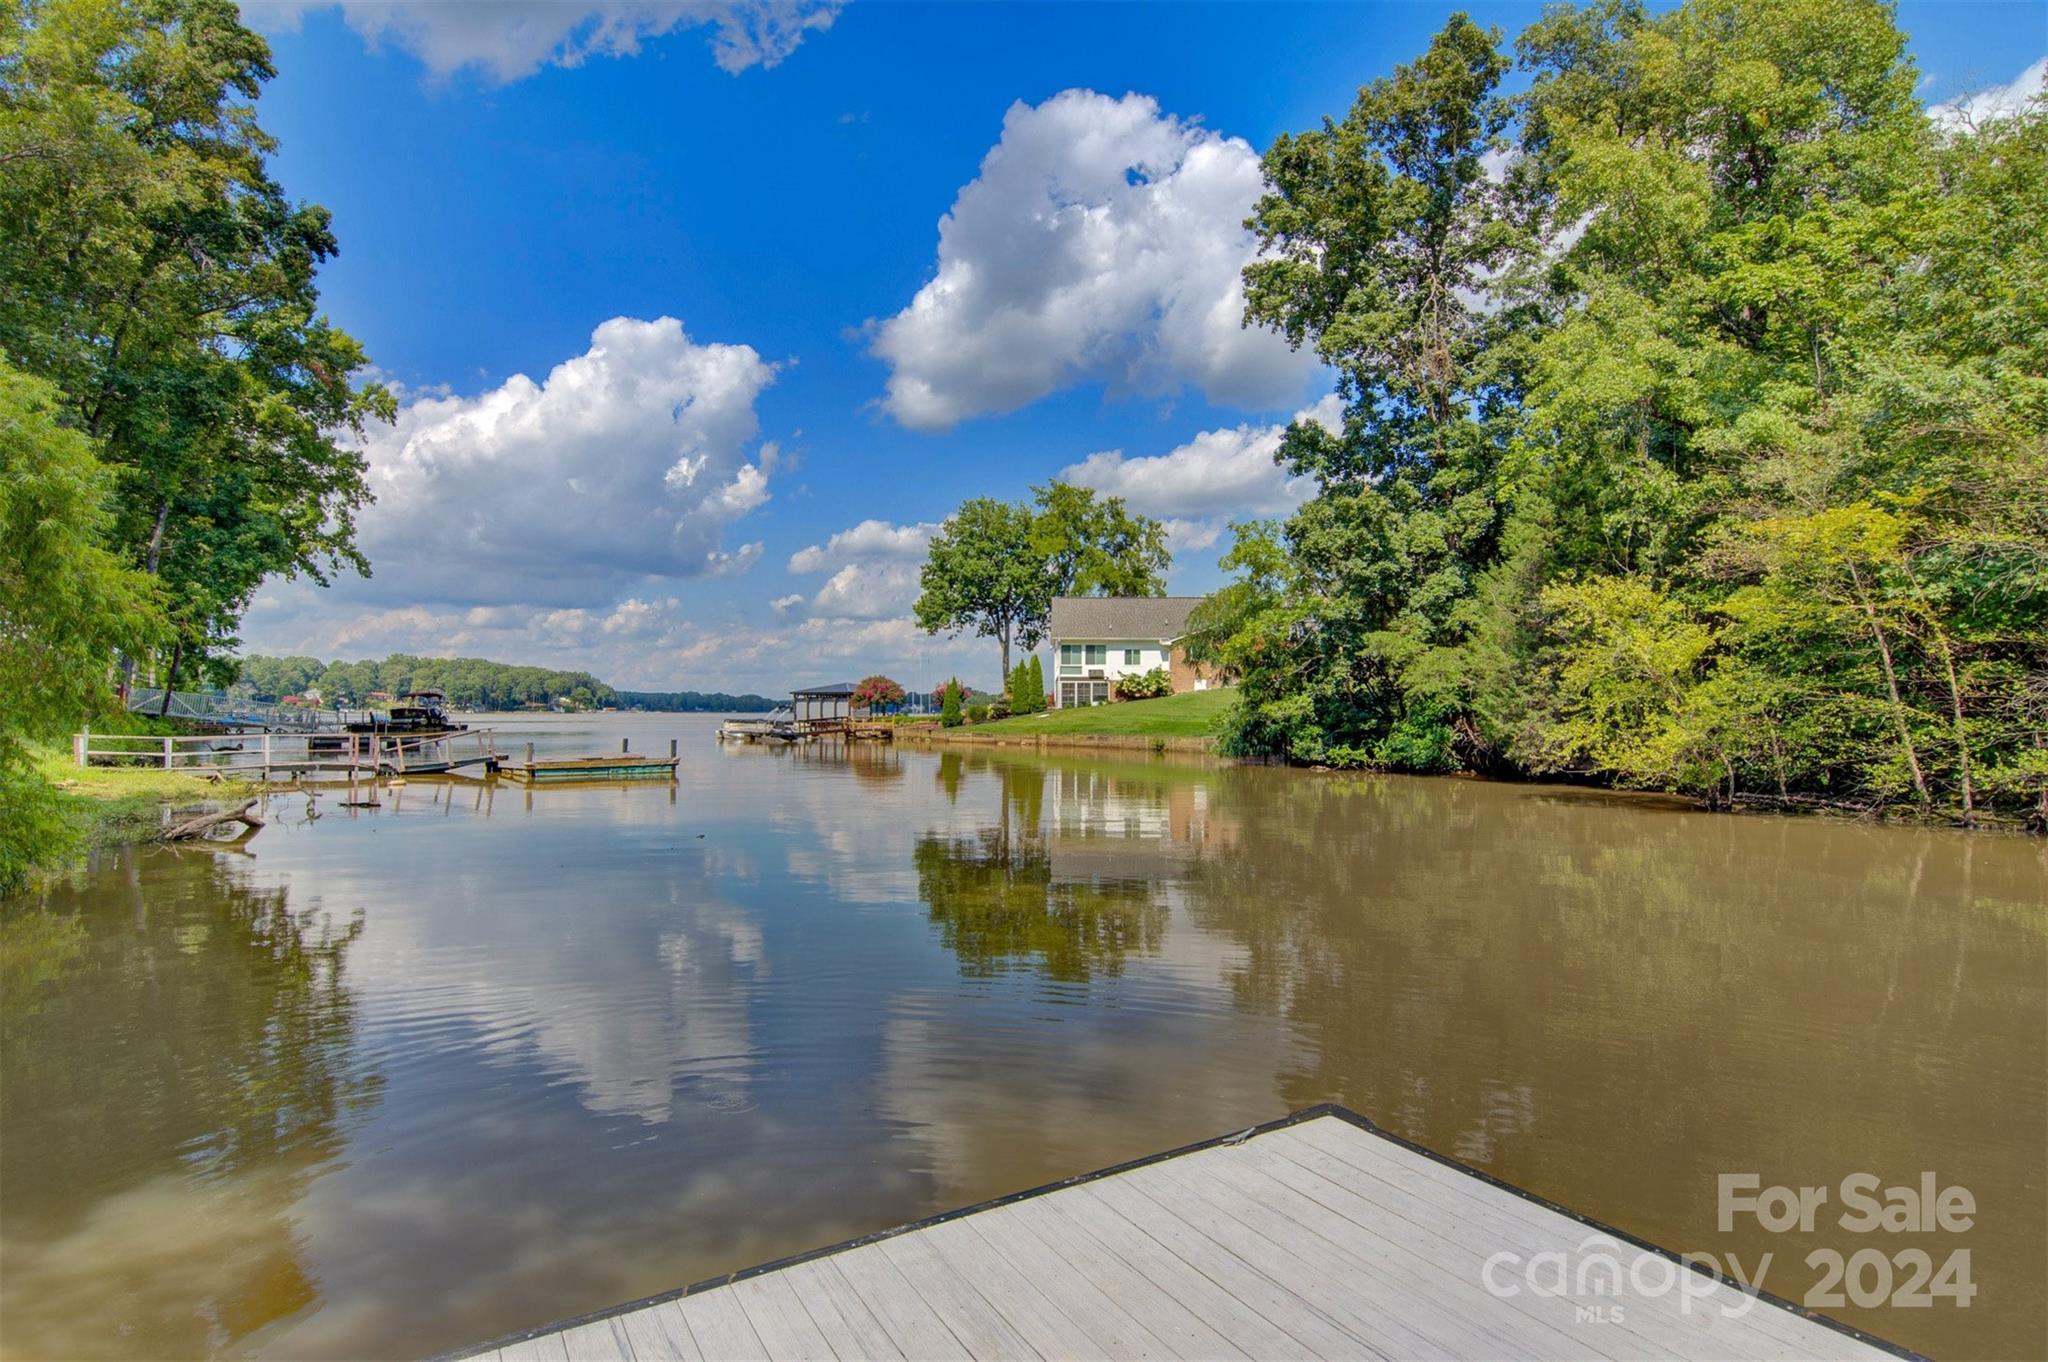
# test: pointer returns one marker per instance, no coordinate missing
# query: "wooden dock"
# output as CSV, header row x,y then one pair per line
x,y
261,756
627,765
1317,1236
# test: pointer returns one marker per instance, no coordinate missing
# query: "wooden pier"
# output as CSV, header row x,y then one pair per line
x,y
625,766
259,756
1317,1236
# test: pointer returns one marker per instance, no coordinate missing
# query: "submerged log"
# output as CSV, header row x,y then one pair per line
x,y
196,828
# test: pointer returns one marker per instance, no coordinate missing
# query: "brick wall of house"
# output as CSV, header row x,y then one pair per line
x,y
1186,673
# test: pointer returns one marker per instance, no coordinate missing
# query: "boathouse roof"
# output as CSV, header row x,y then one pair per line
x,y
834,688
1113,617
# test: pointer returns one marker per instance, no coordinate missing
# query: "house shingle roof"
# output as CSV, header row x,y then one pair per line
x,y
1115,617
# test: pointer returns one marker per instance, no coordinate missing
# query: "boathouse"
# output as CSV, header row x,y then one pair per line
x,y
822,709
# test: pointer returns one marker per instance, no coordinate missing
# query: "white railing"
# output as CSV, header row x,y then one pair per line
x,y
263,753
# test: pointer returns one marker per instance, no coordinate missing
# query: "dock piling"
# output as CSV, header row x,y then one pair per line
x,y
622,745
671,747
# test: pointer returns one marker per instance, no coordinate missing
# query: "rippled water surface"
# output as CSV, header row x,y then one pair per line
x,y
405,1079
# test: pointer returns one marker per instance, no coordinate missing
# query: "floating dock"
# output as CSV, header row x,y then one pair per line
x,y
1316,1236
625,766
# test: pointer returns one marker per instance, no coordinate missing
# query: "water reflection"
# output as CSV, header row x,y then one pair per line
x,y
179,1066
604,1041
1073,873
1613,1006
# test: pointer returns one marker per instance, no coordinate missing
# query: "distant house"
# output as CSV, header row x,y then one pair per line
x,y
1096,639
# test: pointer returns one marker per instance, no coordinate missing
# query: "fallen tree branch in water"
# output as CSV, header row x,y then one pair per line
x,y
198,827
1798,801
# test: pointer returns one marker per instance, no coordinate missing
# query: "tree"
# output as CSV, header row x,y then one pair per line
x,y
1094,546
156,273
1637,691
1697,442
1027,687
877,692
949,706
982,573
995,566
66,605
1259,558
1383,236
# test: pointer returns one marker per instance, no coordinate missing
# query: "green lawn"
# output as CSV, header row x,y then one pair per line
x,y
113,804
1192,715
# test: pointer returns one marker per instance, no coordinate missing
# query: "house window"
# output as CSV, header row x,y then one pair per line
x,y
1070,659
1074,694
1098,653
1133,656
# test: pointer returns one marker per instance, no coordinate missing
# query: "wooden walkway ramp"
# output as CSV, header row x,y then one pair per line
x,y
1316,1237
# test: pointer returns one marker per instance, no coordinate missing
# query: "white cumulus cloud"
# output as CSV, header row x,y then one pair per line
x,y
1217,473
628,460
510,39
2000,101
874,568
867,591
869,539
1102,241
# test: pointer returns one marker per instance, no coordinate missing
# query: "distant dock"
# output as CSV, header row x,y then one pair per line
x,y
1316,1236
812,712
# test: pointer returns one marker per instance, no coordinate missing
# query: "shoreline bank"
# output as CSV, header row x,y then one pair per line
x,y
968,736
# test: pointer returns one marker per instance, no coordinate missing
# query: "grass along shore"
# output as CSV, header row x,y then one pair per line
x,y
113,805
1171,723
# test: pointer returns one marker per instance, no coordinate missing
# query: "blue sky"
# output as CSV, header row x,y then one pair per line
x,y
688,371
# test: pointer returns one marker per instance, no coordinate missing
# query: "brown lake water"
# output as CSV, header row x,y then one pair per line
x,y
406,1079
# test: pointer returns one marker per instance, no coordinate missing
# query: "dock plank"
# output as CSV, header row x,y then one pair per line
x,y
1041,1321
1312,1238
1483,1219
784,1327
981,1328
721,1327
916,1328
1386,1320
601,1340
1170,1299
660,1332
841,1315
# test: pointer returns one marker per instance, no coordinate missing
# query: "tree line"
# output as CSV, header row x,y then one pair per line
x,y
468,682
176,415
1695,402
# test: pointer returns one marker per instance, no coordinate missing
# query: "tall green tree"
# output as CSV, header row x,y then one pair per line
x,y
1696,439
1381,234
66,605
996,566
983,573
164,281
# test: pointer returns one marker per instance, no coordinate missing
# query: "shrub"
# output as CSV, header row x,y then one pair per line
x,y
977,714
877,693
1145,686
1028,693
1000,708
949,707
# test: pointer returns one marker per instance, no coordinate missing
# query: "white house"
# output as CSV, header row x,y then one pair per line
x,y
1096,639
